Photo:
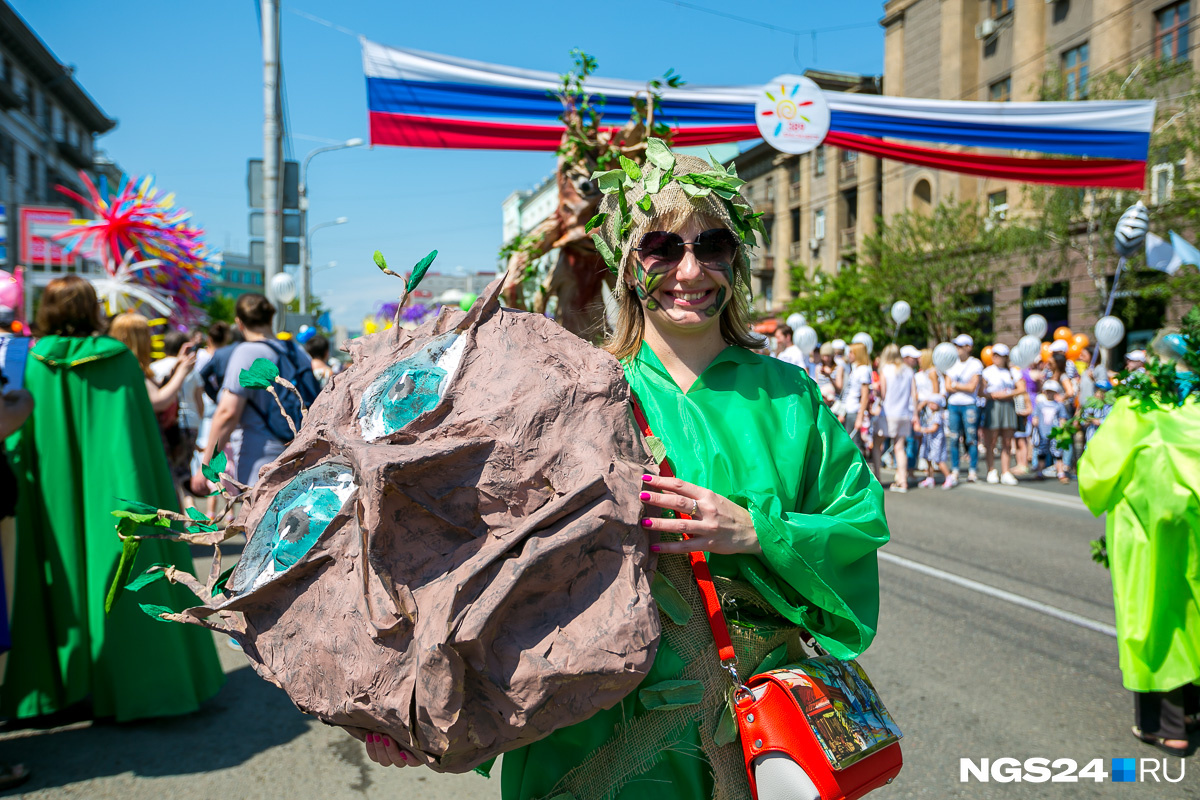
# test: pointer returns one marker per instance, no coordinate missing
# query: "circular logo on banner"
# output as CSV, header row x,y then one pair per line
x,y
792,114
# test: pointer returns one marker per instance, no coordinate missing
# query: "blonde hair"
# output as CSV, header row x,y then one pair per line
x,y
926,359
625,340
890,354
133,330
861,356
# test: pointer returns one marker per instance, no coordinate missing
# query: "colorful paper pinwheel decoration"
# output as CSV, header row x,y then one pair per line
x,y
150,251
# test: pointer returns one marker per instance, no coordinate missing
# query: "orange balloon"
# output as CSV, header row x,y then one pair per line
x,y
1046,354
1074,350
1081,339
1063,333
986,356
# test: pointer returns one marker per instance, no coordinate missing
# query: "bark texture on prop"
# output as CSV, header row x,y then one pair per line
x,y
448,552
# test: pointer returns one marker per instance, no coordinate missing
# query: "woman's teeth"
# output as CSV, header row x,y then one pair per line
x,y
690,297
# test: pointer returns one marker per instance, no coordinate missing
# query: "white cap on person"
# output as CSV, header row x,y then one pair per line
x,y
908,351
1052,386
963,340
999,349
1136,355
839,344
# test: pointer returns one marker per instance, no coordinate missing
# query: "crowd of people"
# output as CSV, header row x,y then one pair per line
x,y
100,423
904,413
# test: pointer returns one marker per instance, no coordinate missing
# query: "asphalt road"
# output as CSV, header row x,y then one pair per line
x,y
968,668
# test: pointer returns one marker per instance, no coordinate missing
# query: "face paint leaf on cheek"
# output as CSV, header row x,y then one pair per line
x,y
718,305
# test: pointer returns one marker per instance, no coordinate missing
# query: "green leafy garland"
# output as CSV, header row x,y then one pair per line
x,y
660,170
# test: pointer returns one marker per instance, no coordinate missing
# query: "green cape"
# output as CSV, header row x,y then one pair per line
x,y
1143,468
93,438
753,429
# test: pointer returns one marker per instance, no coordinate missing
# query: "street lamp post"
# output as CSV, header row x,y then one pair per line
x,y
305,273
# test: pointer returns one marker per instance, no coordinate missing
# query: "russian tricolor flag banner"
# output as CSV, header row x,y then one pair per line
x,y
418,99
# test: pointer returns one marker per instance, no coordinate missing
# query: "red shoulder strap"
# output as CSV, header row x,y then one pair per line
x,y
708,593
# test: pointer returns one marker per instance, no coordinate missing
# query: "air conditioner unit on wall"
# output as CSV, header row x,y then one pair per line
x,y
985,29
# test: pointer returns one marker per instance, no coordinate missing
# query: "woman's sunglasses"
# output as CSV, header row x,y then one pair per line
x,y
661,251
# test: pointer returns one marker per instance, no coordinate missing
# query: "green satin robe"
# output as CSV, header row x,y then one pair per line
x,y
1143,468
93,438
753,429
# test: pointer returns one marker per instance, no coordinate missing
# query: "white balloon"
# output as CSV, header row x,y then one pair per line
x,y
796,321
864,338
1035,325
1109,331
283,286
1026,352
945,356
805,339
901,311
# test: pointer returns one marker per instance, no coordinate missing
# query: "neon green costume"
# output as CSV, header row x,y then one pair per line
x,y
93,438
1142,467
752,429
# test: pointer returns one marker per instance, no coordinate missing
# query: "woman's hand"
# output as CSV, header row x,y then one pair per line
x,y
718,524
384,752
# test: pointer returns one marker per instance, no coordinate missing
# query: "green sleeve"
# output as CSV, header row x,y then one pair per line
x,y
1105,468
820,567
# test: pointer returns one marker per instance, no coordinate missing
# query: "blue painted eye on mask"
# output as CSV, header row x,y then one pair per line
x,y
300,512
410,387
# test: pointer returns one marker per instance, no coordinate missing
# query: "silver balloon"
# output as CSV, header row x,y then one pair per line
x,y
901,311
1026,352
796,321
1109,331
945,356
283,286
864,338
805,339
1035,325
1131,229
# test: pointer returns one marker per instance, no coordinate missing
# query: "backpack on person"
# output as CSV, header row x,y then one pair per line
x,y
296,367
212,374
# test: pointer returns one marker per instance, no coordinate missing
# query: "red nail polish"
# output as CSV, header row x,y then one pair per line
x,y
387,742
655,548
647,478
645,495
371,738
404,755
646,523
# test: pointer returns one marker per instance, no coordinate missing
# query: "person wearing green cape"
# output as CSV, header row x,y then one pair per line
x,y
1142,468
779,497
91,442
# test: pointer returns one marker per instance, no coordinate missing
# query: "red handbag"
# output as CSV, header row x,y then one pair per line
x,y
822,713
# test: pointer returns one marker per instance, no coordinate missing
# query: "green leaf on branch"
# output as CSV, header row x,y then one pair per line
x,y
669,600
216,465
606,252
261,374
668,695
419,271
156,611
153,573
380,261
129,551
727,729
595,222
219,586
645,204
153,520
1100,551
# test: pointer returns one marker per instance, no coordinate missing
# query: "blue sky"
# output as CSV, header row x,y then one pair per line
x,y
185,82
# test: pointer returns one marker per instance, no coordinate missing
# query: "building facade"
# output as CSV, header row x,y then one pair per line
x,y
237,276
48,123
1010,50
818,207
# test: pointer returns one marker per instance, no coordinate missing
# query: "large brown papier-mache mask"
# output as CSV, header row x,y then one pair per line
x,y
448,552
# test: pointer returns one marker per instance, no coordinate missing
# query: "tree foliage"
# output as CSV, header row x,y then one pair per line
x,y
936,262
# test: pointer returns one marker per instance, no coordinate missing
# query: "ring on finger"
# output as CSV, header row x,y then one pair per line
x,y
695,508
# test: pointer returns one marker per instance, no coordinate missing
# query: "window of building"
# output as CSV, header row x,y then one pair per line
x,y
31,182
1000,91
73,134
794,170
1051,301
819,224
31,100
6,72
1162,181
1075,72
999,7
795,224
1171,31
769,189
998,205
922,196
819,160
849,155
